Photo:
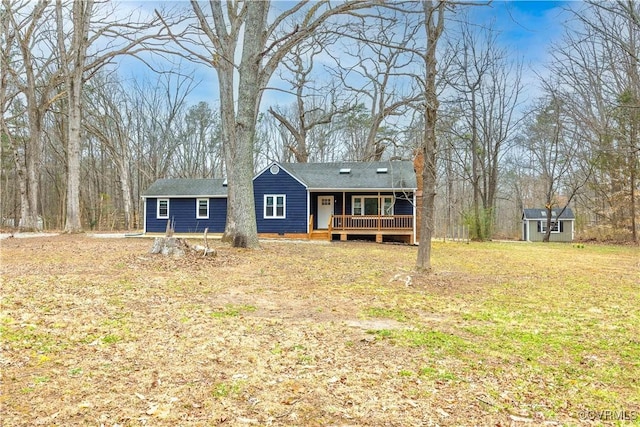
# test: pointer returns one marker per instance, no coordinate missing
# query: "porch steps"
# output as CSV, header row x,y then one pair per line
x,y
319,235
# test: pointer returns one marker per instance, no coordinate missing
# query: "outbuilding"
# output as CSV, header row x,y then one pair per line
x,y
534,225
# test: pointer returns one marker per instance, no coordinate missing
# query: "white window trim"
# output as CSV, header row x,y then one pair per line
x,y
275,205
380,198
393,205
198,216
158,216
543,226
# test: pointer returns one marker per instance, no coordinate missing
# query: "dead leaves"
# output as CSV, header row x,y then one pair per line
x,y
99,332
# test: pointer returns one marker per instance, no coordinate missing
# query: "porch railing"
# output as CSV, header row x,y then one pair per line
x,y
371,222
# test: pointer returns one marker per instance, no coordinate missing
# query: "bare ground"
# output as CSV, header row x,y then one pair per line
x,y
99,332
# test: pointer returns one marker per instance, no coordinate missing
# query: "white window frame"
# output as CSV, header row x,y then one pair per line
x,y
391,206
381,204
274,206
158,202
555,226
198,216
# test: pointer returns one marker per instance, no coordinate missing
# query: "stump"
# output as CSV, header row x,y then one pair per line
x,y
169,246
178,247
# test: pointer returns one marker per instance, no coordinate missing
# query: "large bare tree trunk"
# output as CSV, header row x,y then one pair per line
x,y
225,43
22,184
125,187
241,228
434,25
34,83
475,166
258,62
74,73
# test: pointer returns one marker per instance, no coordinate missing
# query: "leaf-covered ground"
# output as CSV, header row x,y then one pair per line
x,y
99,332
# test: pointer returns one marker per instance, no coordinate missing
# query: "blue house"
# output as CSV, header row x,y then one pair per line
x,y
301,200
191,205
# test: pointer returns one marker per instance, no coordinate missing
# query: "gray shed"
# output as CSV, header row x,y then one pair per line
x,y
534,223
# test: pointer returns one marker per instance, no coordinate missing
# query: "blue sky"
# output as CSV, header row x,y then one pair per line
x,y
527,29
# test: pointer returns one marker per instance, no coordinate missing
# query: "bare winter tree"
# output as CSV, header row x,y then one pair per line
x,y
199,154
597,64
273,139
90,25
432,24
263,45
29,73
159,106
73,69
553,145
109,118
312,109
489,86
380,74
434,17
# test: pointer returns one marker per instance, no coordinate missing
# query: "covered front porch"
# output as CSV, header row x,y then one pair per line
x,y
350,215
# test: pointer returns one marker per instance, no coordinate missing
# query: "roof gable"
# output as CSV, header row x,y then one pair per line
x,y
185,187
387,175
275,168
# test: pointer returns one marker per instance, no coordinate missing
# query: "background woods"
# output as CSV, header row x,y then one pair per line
x,y
95,107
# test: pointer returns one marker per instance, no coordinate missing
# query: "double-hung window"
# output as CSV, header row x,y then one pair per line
x,y
275,206
387,205
202,208
162,209
555,226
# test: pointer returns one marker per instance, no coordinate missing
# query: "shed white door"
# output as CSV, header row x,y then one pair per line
x,y
325,210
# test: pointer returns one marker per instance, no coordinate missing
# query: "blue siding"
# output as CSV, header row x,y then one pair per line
x,y
403,207
296,203
182,211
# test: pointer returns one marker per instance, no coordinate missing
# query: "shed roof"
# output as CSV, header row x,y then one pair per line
x,y
391,175
186,187
541,213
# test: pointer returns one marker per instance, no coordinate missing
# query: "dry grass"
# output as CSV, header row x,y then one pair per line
x,y
99,332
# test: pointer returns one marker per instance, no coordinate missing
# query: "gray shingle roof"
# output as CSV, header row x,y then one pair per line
x,y
395,174
388,175
183,187
541,213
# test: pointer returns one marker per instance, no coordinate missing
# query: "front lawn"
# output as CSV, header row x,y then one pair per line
x,y
99,332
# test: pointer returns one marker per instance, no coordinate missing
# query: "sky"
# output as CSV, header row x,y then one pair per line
x,y
529,27
526,29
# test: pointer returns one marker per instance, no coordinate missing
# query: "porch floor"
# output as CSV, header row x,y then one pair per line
x,y
405,236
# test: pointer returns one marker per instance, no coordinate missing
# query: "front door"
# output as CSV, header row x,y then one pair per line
x,y
325,210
